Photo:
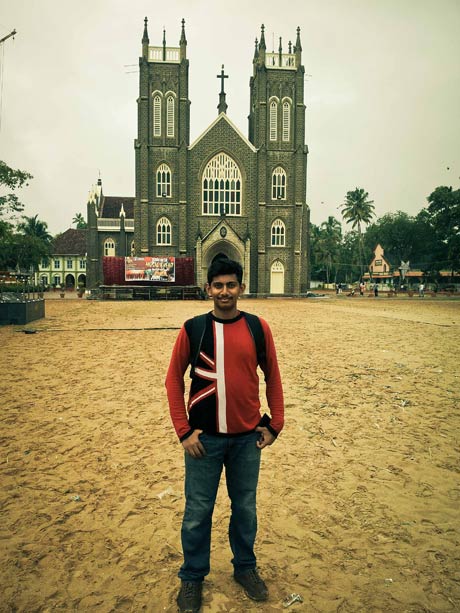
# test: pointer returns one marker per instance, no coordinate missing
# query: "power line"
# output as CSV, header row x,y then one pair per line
x,y
2,40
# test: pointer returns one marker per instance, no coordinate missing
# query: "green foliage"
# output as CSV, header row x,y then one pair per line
x,y
11,179
357,209
24,245
79,221
430,241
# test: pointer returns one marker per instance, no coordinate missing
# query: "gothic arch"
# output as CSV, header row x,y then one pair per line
x,y
277,277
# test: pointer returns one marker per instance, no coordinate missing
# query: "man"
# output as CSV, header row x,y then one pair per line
x,y
222,428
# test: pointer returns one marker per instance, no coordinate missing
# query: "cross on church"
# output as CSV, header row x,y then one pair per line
x,y
222,76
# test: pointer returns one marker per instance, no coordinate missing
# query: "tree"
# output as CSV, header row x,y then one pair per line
x,y
443,213
358,211
325,244
79,221
11,179
33,243
329,244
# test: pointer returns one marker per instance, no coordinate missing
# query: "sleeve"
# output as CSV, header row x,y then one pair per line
x,y
274,388
175,387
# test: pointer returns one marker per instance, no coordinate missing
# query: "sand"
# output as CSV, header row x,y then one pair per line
x,y
359,497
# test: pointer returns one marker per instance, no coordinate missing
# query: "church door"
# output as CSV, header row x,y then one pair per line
x,y
277,278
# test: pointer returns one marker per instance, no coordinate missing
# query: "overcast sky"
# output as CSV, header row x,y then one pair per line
x,y
382,92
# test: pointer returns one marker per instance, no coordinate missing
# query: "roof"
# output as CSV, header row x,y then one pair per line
x,y
70,242
224,117
111,206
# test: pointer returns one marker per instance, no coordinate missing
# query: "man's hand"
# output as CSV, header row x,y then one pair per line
x,y
266,437
193,446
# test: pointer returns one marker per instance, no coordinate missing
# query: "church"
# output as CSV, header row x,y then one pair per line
x,y
225,193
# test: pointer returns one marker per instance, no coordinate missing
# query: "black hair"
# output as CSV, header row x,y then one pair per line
x,y
225,266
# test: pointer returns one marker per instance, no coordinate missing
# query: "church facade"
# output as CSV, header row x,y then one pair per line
x,y
225,193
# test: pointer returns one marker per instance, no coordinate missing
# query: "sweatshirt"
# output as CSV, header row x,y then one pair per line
x,y
224,391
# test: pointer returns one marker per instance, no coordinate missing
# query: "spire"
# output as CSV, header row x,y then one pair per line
x,y
280,54
183,42
262,46
164,44
145,41
256,50
145,38
222,106
262,38
298,44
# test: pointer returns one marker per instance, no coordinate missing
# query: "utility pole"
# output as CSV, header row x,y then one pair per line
x,y
2,40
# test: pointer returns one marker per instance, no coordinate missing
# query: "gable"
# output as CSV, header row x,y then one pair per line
x,y
223,131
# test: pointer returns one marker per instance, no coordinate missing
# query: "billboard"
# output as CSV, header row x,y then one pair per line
x,y
151,268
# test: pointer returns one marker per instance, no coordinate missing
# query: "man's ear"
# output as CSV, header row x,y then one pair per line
x,y
242,287
207,287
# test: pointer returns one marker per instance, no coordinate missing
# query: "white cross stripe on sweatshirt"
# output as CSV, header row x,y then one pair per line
x,y
218,374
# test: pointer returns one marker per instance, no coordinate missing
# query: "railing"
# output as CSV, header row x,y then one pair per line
x,y
114,224
272,60
172,54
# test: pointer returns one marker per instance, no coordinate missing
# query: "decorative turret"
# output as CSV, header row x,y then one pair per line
x,y
183,42
298,49
256,50
262,46
145,40
164,45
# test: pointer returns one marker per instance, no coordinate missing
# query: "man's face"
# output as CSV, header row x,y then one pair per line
x,y
225,291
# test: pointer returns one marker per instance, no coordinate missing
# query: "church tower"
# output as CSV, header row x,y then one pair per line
x,y
277,130
161,146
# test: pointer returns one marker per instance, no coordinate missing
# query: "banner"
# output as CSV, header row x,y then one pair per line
x,y
151,268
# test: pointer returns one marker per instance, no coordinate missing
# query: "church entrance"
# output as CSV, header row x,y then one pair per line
x,y
277,278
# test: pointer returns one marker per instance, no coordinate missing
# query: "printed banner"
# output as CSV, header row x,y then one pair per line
x,y
150,268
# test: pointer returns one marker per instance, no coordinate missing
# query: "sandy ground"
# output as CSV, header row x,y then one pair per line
x,y
359,497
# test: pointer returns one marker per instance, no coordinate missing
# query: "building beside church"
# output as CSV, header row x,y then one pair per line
x,y
225,193
67,265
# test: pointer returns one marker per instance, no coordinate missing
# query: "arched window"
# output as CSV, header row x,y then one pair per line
x,y
164,231
286,121
164,181
157,115
279,184
170,116
222,187
274,119
278,233
109,247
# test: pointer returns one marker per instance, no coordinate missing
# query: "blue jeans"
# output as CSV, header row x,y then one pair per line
x,y
241,459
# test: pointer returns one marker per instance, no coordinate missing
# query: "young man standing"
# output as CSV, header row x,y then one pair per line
x,y
222,427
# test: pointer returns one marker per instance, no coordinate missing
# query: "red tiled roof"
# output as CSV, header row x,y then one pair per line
x,y
111,205
70,242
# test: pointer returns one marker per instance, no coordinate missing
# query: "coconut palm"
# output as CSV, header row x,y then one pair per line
x,y
34,227
358,211
79,221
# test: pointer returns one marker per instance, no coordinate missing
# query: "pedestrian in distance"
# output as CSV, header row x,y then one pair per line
x,y
221,428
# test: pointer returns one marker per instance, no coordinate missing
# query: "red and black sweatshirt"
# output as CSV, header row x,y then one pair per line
x,y
224,392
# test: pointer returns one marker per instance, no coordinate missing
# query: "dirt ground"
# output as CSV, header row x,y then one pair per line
x,y
359,497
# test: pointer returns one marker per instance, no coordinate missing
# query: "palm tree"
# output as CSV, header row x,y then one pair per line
x,y
33,227
330,239
358,210
33,243
80,222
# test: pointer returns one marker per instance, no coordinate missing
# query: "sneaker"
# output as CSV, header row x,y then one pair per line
x,y
189,597
253,585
